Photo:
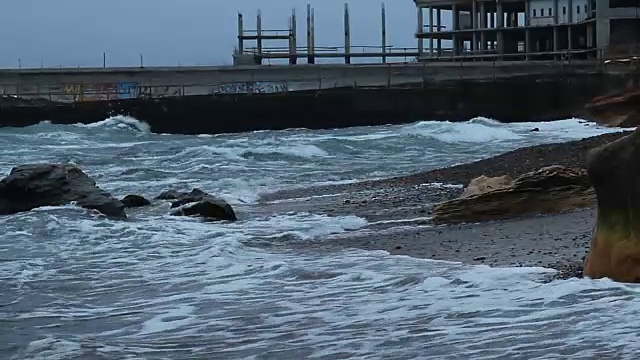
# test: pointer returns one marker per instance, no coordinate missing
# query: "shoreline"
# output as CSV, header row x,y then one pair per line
x,y
398,210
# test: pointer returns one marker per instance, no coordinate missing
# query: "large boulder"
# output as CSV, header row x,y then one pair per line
x,y
618,110
614,170
198,203
34,185
551,189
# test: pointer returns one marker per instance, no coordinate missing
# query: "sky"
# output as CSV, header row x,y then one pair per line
x,y
67,33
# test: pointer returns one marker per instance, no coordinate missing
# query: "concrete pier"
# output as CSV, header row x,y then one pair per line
x,y
98,84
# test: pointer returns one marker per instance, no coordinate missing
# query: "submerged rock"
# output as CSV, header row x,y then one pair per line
x,y
132,201
619,110
34,185
614,170
552,189
199,203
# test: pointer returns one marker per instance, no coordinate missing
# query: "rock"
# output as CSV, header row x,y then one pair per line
x,y
34,185
617,110
535,129
552,189
483,184
199,203
614,170
132,201
171,195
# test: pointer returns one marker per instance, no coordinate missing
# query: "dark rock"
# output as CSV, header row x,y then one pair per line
x,y
34,185
479,258
614,170
552,189
535,129
618,110
171,195
199,203
132,201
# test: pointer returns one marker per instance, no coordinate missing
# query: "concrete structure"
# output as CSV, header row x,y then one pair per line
x,y
83,85
526,29
256,55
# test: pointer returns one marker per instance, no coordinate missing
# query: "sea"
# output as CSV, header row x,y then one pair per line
x,y
76,285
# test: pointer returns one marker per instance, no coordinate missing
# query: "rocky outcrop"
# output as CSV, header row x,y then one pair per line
x,y
484,184
34,185
552,189
614,170
198,203
619,110
133,201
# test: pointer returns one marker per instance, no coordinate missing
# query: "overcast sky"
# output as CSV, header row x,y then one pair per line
x,y
168,32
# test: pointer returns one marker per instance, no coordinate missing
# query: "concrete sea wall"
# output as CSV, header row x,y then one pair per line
x,y
515,99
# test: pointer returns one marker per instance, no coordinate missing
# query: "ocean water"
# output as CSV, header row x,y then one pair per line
x,y
74,285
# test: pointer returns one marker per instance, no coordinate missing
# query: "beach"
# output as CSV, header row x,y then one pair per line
x,y
399,211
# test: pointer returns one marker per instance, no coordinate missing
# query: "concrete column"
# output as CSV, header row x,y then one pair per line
x,y
569,37
570,10
455,13
438,24
556,39
483,25
556,10
527,13
240,34
419,31
603,26
500,25
259,31
384,35
293,39
474,25
527,42
431,31
347,35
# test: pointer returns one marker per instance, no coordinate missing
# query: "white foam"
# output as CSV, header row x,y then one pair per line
x,y
121,122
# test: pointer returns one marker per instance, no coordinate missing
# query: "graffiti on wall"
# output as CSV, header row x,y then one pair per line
x,y
260,87
159,91
85,91
101,91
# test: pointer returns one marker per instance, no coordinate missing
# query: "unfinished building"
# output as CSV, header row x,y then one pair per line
x,y
526,29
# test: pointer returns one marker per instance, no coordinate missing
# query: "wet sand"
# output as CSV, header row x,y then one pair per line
x,y
398,211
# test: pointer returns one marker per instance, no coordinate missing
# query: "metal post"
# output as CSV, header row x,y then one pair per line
x,y
240,34
104,60
141,61
384,35
483,26
347,35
